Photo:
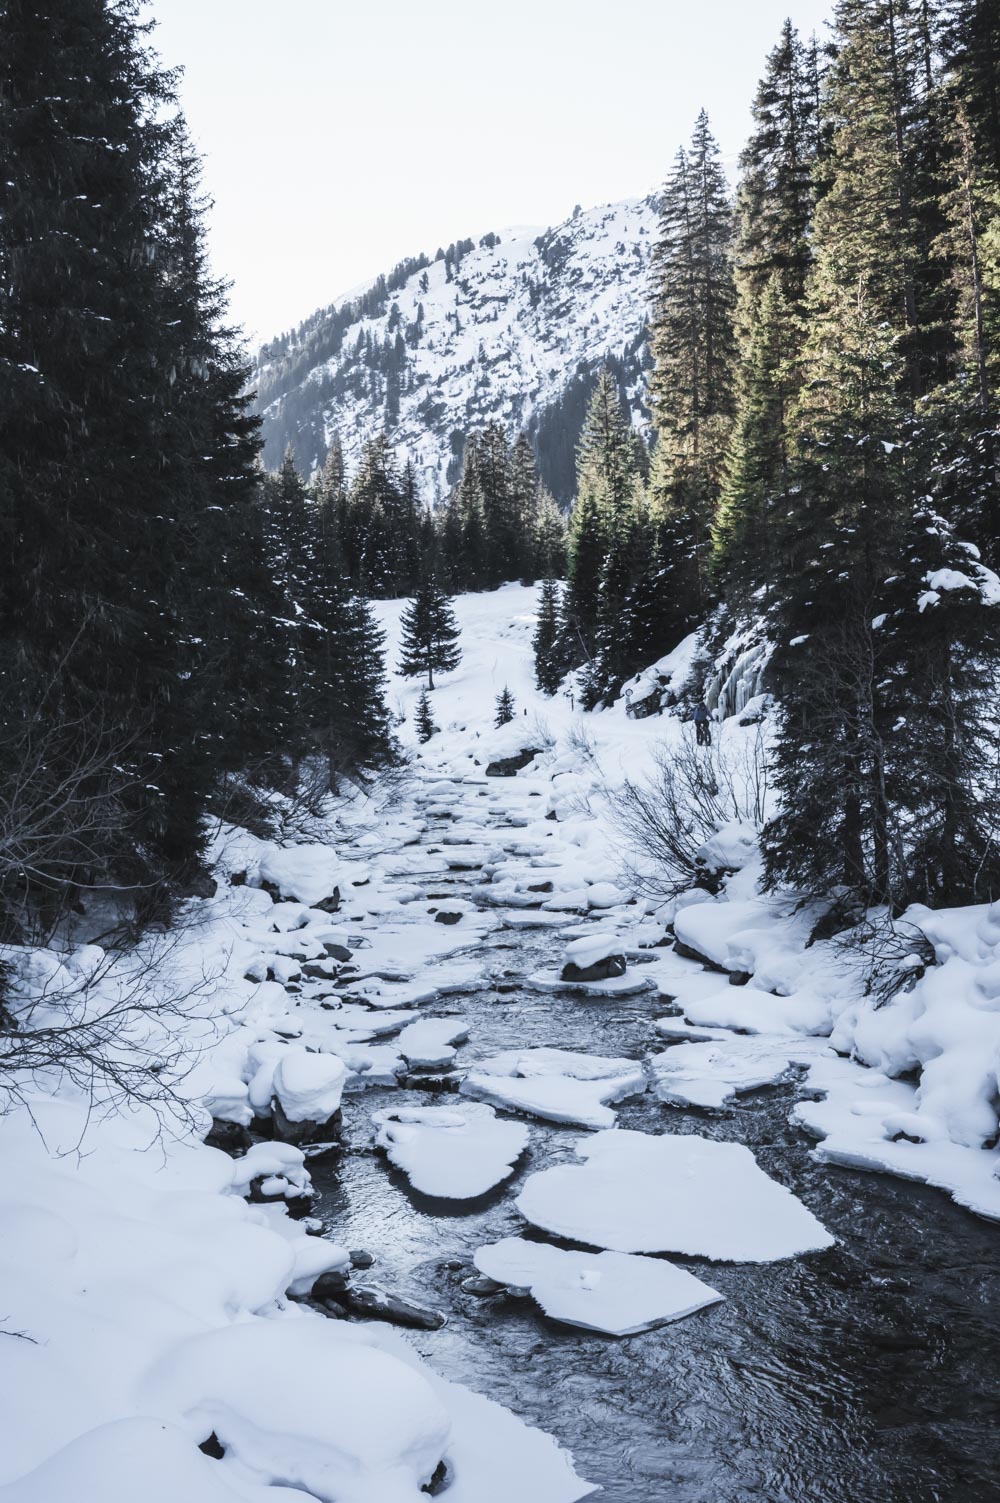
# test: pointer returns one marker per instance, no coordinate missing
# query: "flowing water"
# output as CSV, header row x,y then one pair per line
x,y
864,1374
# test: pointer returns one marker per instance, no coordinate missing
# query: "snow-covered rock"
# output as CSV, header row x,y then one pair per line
x,y
309,874
308,1086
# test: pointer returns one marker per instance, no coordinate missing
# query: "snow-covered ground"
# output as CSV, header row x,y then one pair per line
x,y
155,1290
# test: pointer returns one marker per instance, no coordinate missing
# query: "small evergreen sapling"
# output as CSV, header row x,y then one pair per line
x,y
423,719
505,707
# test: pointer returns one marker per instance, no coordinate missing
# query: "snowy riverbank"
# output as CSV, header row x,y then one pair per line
x,y
151,1307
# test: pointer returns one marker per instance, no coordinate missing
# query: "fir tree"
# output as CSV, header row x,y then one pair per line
x,y
505,708
524,508
430,634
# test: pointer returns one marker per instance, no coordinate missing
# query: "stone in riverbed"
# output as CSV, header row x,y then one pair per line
x,y
379,1304
601,970
508,767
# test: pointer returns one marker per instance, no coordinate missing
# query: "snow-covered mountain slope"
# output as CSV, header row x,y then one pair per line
x,y
511,329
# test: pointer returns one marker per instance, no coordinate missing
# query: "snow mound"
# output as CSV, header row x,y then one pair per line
x,y
294,1403
132,1459
684,1194
307,873
309,1086
617,1293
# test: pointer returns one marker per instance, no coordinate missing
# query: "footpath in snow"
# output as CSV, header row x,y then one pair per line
x,y
180,1325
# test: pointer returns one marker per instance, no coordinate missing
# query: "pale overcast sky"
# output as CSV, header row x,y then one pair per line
x,y
343,135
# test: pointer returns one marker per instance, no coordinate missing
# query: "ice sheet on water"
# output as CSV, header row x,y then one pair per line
x,y
558,1085
618,1293
452,1152
711,1073
641,1193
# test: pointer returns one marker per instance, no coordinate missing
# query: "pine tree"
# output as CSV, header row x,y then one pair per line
x,y
548,642
125,436
600,526
499,517
548,539
525,497
506,709
430,634
473,567
691,387
773,255
423,719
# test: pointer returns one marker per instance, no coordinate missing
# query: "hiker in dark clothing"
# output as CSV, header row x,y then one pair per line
x,y
703,725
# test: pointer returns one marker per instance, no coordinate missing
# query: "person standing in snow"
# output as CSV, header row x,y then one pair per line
x,y
703,724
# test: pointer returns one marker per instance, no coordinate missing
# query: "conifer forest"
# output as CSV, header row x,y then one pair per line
x,y
500,782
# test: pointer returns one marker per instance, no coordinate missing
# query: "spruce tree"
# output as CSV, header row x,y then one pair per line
x,y
525,498
548,541
499,512
772,258
506,709
548,642
692,384
430,633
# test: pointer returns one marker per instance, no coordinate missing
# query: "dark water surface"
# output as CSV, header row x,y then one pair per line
x,y
869,1373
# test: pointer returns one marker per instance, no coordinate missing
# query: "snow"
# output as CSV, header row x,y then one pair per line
x,y
307,873
557,1085
455,1153
309,1086
641,1193
617,1293
294,1402
127,1243
592,948
132,1459
429,1042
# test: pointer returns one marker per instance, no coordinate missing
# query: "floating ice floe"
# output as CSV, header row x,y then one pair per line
x,y
558,1085
711,1073
455,1152
671,1193
618,1293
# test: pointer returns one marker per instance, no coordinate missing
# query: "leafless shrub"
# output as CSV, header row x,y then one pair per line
x,y
667,818
125,1030
66,792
